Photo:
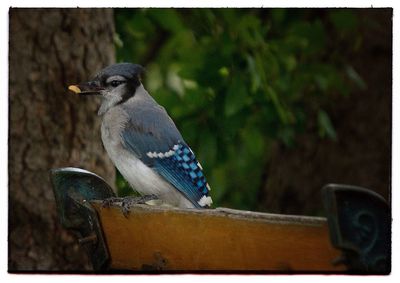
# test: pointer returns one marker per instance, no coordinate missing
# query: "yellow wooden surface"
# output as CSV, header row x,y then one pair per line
x,y
227,240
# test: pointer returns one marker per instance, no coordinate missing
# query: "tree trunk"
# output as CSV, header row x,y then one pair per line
x,y
50,127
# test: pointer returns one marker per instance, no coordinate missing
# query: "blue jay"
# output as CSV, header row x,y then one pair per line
x,y
143,141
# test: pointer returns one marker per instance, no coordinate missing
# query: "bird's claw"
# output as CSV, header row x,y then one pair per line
x,y
111,201
128,202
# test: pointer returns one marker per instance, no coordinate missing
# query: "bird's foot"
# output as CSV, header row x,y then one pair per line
x,y
112,201
128,202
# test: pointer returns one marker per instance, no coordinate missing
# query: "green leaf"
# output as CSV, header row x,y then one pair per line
x,y
233,79
253,141
218,183
286,135
236,98
207,151
343,19
168,19
117,41
224,72
355,77
254,74
326,128
278,15
277,103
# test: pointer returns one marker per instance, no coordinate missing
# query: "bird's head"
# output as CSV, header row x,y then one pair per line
x,y
116,84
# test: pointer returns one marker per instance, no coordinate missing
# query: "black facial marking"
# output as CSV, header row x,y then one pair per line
x,y
131,86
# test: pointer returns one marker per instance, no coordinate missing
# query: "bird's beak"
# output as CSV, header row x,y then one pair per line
x,y
88,88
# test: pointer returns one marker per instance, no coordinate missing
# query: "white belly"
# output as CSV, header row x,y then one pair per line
x,y
141,177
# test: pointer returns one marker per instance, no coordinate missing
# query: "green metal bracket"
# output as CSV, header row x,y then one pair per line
x,y
73,189
359,224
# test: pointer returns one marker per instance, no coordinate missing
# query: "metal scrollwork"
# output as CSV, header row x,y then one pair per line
x,y
359,223
73,189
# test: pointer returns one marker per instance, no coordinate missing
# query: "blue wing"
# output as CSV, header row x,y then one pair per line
x,y
158,144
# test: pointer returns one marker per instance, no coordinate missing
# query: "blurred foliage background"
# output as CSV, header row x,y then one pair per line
x,y
238,81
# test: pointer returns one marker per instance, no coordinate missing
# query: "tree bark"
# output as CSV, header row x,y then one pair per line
x,y
50,127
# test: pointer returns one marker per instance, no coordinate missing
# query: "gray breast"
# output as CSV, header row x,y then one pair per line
x,y
112,125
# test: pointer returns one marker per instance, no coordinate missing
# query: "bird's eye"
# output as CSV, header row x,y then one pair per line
x,y
115,83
